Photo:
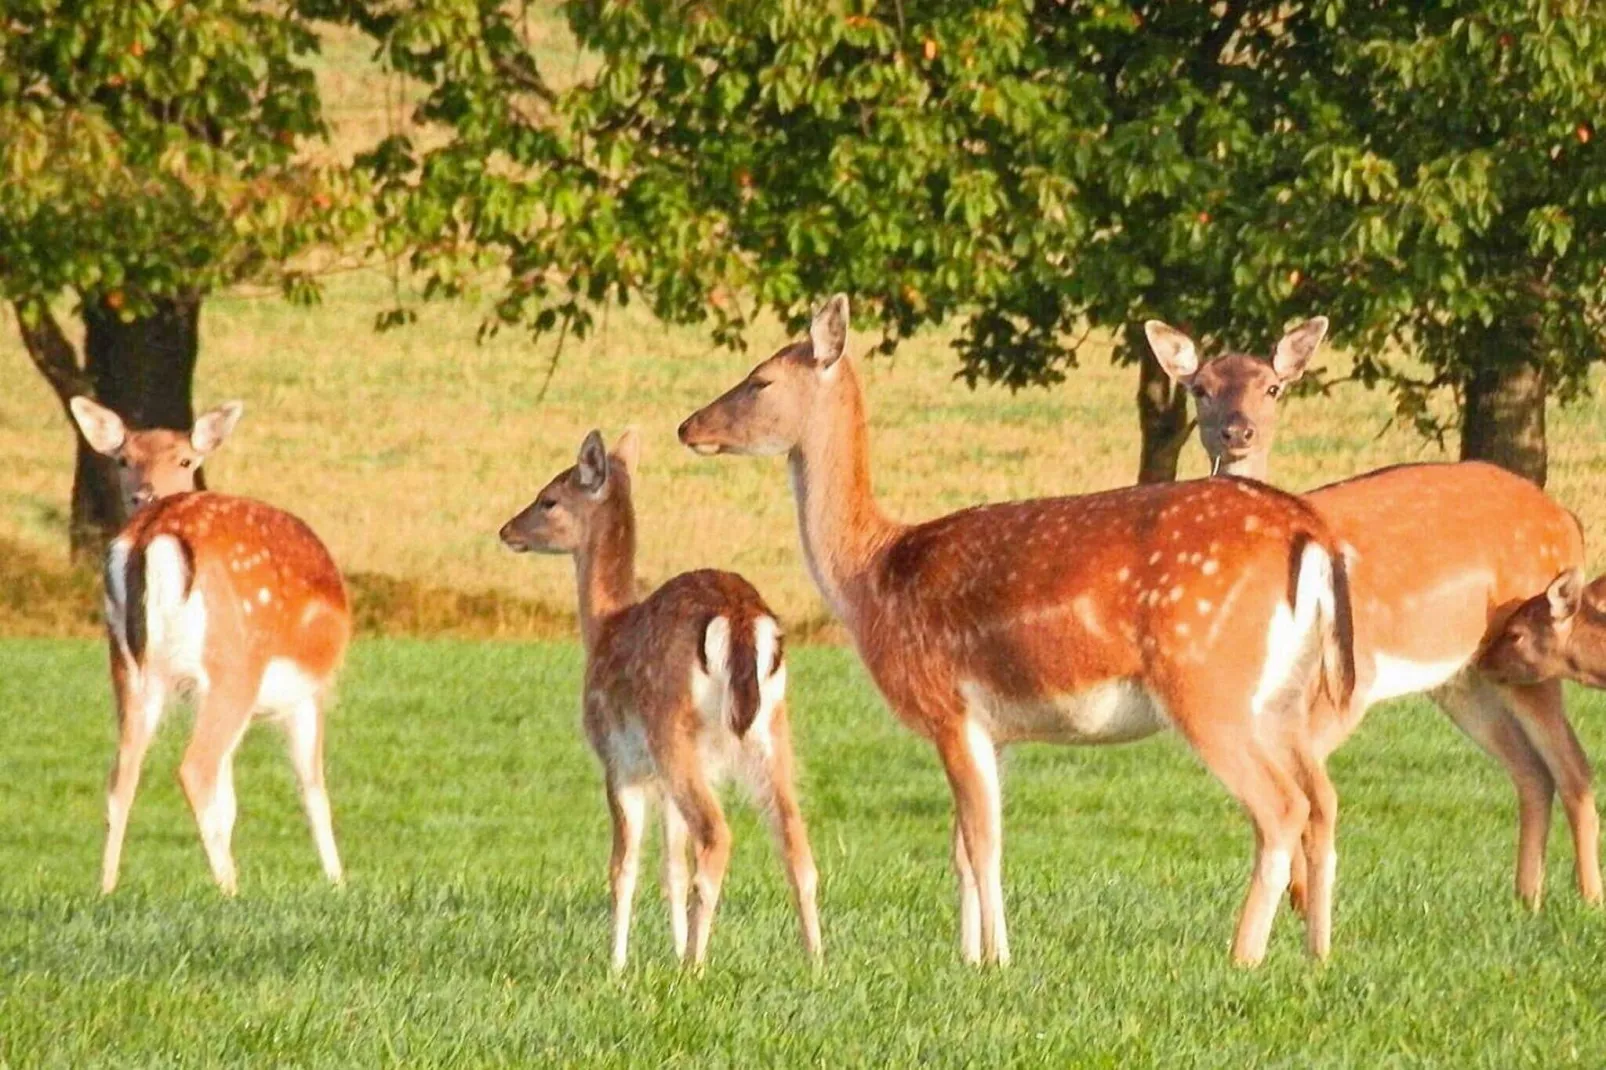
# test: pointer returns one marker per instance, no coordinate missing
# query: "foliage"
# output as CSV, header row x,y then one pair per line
x,y
150,148
1424,173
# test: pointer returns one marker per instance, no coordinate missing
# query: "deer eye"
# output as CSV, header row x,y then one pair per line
x,y
1198,392
1274,390
755,385
186,462
122,462
547,504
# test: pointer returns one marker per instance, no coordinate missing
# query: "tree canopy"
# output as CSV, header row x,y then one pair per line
x,y
1427,175
152,148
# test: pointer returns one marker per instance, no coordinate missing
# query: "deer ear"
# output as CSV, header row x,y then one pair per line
x,y
829,331
103,429
1565,594
213,427
1174,350
1295,348
591,470
627,449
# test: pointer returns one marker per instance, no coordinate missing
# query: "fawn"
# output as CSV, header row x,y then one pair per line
x,y
682,689
229,598
1560,634
1216,607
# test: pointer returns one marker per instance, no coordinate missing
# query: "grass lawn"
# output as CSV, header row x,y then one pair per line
x,y
473,929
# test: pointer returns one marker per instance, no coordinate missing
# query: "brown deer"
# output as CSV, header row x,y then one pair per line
x,y
1440,555
1214,607
229,598
1560,634
682,689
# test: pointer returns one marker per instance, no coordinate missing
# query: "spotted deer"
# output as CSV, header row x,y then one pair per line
x,y
228,598
1560,634
682,689
1217,608
1440,556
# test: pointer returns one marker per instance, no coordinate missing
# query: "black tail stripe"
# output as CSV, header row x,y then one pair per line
x,y
134,602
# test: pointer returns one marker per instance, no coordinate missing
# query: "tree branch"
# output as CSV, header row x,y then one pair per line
x,y
50,350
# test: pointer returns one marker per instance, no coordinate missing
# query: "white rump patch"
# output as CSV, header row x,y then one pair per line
x,y
175,625
1292,640
117,593
771,685
708,689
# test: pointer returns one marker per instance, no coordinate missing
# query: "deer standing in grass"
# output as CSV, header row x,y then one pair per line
x,y
1440,555
1218,608
228,598
682,688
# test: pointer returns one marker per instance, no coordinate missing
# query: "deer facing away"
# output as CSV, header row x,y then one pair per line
x,y
1214,607
231,599
1440,555
682,689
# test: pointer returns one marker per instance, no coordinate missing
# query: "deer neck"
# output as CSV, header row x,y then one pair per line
x,y
842,528
1255,466
605,567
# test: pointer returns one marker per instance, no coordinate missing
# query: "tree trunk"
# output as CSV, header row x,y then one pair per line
x,y
1162,415
1503,414
142,370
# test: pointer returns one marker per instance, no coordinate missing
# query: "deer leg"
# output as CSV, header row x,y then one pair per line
x,y
1278,809
677,875
303,727
1299,878
1317,851
711,840
139,709
969,899
778,795
207,771
627,805
1479,711
1542,713
971,761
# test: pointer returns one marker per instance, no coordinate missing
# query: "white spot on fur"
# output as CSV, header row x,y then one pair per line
x,y
264,596
1205,607
1210,567
1251,523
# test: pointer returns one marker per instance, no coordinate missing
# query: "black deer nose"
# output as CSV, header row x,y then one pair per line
x,y
684,430
143,496
1238,433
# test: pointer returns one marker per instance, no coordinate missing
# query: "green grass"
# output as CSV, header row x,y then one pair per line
x,y
473,927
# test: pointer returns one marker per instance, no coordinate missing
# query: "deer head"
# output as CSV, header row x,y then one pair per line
x,y
568,507
1236,395
1561,633
158,462
769,411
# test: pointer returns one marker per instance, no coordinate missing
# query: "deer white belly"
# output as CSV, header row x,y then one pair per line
x,y
1393,677
1115,711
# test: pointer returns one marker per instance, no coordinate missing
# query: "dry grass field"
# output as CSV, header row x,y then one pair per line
x,y
407,450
